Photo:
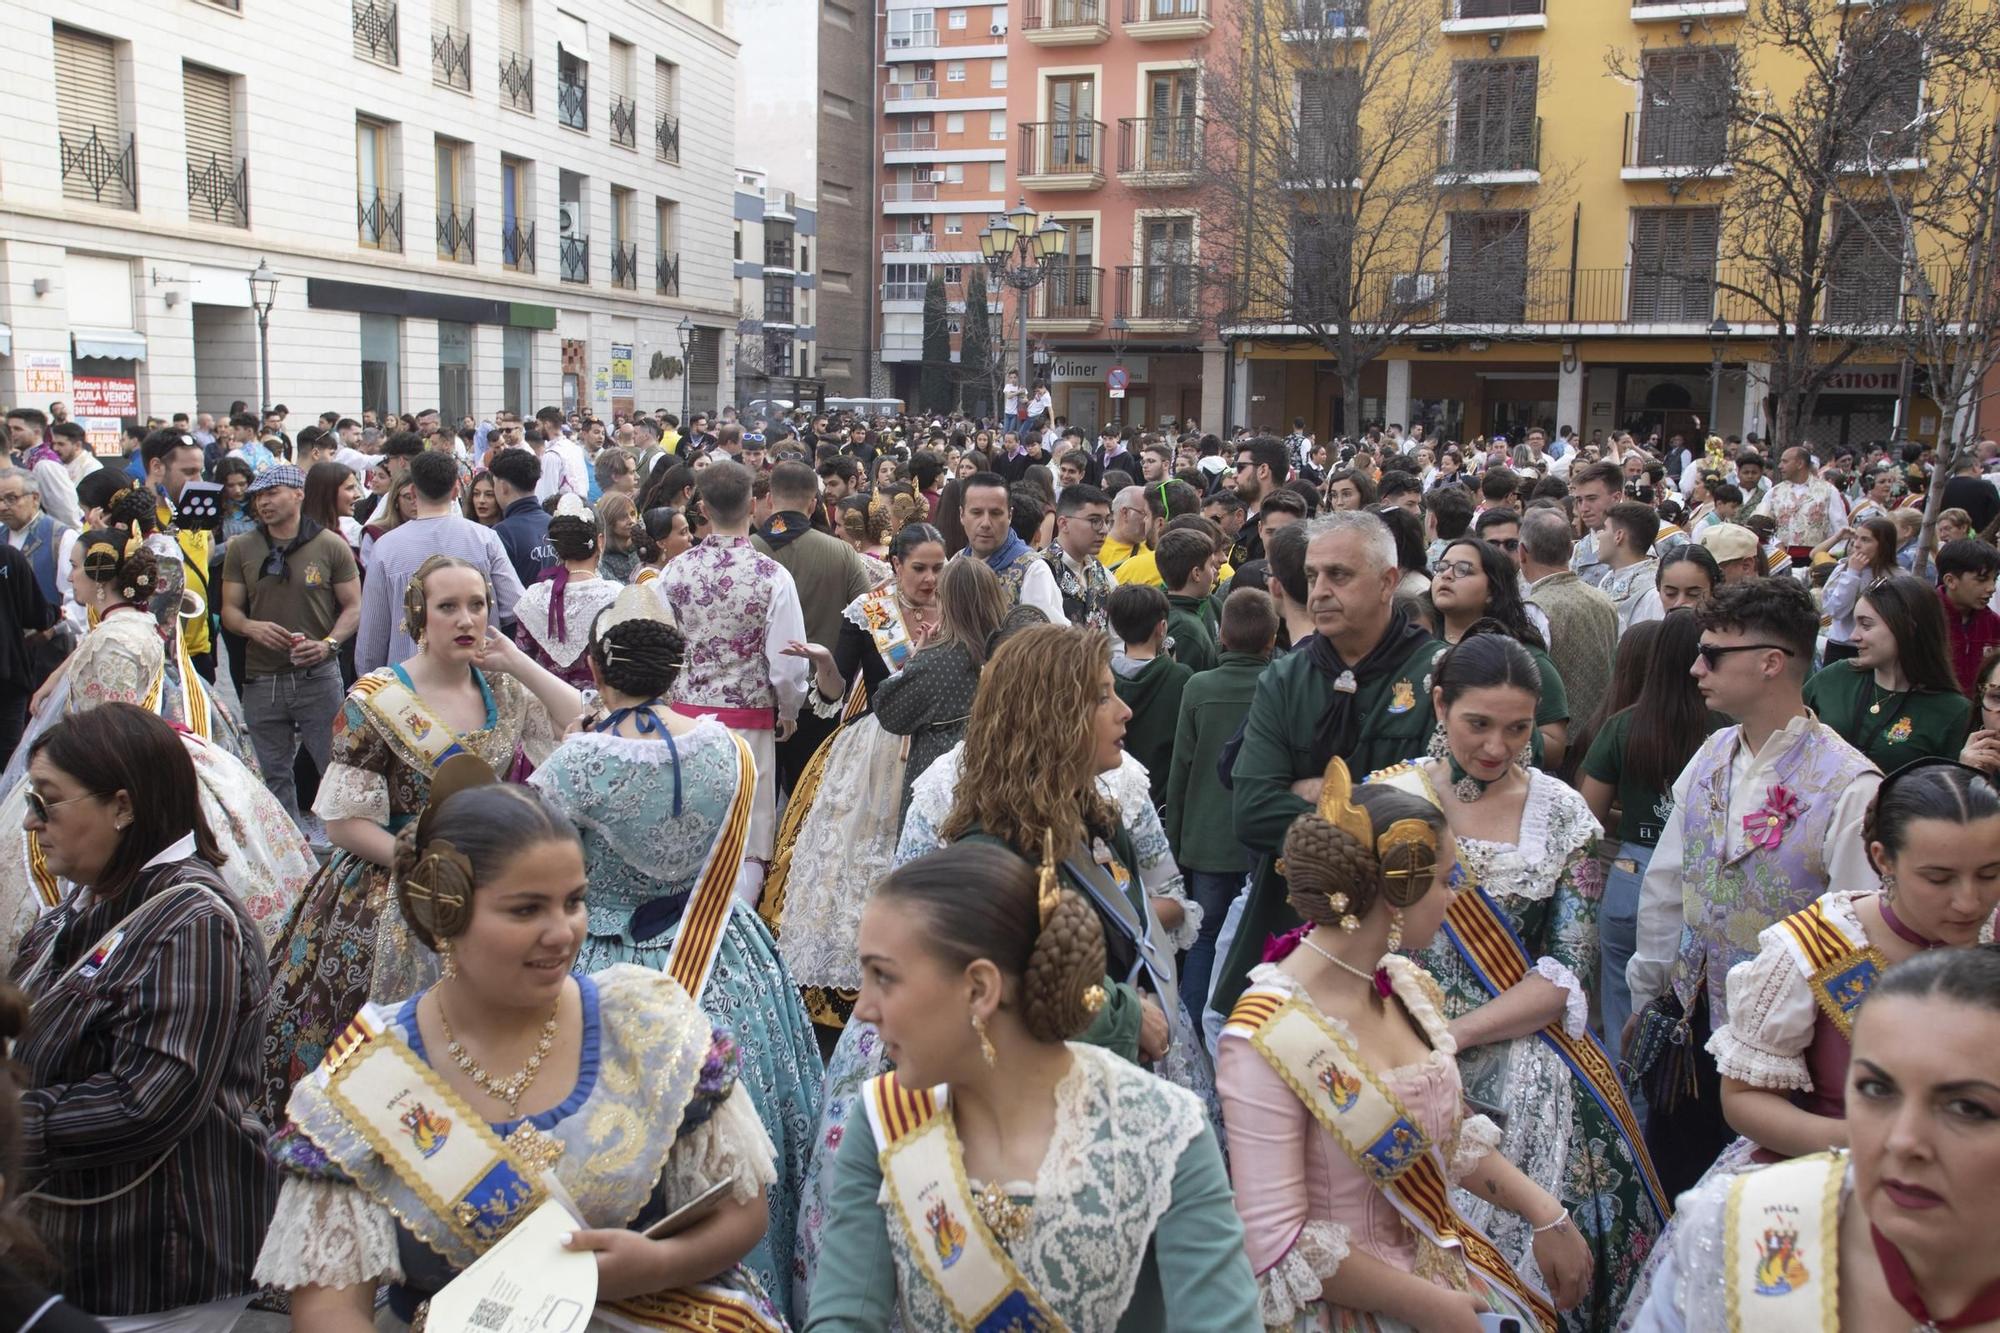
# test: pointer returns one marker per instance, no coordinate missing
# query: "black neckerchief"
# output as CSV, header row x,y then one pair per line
x,y
276,555
785,527
1339,725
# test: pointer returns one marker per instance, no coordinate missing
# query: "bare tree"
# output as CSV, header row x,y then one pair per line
x,y
1818,126
1364,187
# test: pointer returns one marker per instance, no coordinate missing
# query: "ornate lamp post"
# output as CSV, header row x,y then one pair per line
x,y
1718,339
685,331
1021,258
263,295
1121,334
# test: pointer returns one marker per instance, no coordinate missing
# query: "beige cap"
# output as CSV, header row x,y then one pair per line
x,y
1729,541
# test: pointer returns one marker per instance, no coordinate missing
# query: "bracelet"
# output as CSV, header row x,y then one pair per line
x,y
1562,1219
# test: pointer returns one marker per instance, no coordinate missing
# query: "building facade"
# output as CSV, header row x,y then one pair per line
x,y
777,239
467,206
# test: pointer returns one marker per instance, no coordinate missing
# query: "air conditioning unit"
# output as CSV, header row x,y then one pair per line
x,y
569,215
997,29
925,221
1414,288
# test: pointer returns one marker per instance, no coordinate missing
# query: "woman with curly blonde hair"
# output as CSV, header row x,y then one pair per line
x,y
1046,724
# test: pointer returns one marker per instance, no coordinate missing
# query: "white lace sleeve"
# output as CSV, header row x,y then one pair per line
x,y
347,792
1576,1010
1183,936
1477,1136
1771,1019
1288,1287
327,1234
732,1146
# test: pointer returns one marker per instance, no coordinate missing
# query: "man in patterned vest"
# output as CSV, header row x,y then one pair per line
x,y
1766,816
1083,516
987,515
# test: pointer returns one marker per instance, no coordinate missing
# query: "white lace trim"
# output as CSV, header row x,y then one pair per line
x,y
1576,1008
1477,1136
733,1146
1555,822
583,599
1183,936
327,1234
1745,1062
1287,1288
347,792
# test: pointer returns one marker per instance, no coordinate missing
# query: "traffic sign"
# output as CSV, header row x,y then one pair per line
x,y
1117,378
1117,393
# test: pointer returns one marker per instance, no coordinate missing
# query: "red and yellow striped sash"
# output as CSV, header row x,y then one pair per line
x,y
708,907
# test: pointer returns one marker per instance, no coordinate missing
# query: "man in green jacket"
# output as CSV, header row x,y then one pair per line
x,y
1359,687
1212,862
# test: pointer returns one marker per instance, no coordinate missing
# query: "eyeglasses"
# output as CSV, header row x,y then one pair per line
x,y
40,808
1462,569
1508,544
1100,522
1711,654
1990,699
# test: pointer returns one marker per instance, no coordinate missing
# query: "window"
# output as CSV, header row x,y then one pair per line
x,y
909,28
454,369
218,177
1673,264
1070,138
996,74
517,221
956,19
1166,289
378,205
954,72
1864,266
954,275
1496,128
572,89
624,108
667,231
573,222
97,161
1329,102
996,177
1070,289
954,123
1486,270
778,300
666,111
778,244
517,360
954,173
1170,143
954,225
517,65
996,127
1884,95
381,364
454,200
1684,108
451,45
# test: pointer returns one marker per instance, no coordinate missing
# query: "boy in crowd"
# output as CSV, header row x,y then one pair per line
x,y
1187,561
1149,681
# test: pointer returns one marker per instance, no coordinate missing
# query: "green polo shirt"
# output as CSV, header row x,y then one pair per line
x,y
1891,727
1198,806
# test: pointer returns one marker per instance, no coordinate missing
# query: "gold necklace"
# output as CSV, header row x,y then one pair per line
x,y
511,1089
1007,1220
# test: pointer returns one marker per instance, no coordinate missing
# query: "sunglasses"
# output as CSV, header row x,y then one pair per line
x,y
1509,544
1711,654
40,808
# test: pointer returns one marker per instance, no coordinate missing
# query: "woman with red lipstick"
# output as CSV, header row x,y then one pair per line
x,y
1475,580
1897,1232
468,690
1516,959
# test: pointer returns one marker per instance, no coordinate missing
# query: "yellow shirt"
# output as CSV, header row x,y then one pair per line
x,y
194,546
1145,568
1115,552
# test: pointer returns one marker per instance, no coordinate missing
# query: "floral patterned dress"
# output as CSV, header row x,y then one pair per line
x,y
323,959
1546,885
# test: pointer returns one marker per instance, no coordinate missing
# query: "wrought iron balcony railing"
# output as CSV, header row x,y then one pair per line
x,y
451,58
667,138
1070,292
376,31
624,121
667,273
517,247
378,220
1160,291
219,189
1168,145
454,233
1062,147
517,81
1475,147
1037,15
100,167
575,259
625,264
1695,138
573,102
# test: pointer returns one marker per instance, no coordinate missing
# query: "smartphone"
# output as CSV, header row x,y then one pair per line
x,y
706,1202
1499,1323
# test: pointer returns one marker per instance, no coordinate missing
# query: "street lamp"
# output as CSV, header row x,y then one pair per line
x,y
685,331
1121,333
1718,337
263,295
1020,255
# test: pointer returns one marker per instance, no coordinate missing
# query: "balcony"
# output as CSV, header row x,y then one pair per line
x,y
219,191
910,141
913,39
572,102
625,265
910,192
376,31
451,58
575,257
1474,153
910,92
1062,155
517,247
903,291
1321,21
517,82
624,122
1068,300
1668,11
1463,16
667,138
454,234
1673,143
1159,152
1160,298
906,244
1064,22
667,273
100,168
1167,20
378,220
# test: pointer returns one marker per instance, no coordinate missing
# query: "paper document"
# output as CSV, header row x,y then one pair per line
x,y
528,1283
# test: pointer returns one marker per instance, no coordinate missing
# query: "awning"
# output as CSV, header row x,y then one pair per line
x,y
118,344
6,340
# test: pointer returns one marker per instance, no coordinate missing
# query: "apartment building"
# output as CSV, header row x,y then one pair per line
x,y
1108,138
467,205
777,296
945,144
1584,277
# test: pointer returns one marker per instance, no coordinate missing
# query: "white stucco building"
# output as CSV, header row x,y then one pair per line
x,y
469,204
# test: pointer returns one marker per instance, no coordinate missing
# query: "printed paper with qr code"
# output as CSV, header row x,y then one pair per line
x,y
528,1283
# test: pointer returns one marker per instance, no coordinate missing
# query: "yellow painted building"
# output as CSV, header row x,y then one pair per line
x,y
1596,118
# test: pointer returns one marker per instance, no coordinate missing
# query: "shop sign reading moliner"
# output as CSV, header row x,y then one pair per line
x,y
1865,379
1069,368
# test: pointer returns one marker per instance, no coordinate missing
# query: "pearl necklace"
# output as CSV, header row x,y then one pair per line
x,y
511,1089
1378,979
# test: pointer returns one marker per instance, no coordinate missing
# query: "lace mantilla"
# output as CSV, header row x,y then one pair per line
x,y
846,843
582,598
1105,1183
1555,823
1290,1287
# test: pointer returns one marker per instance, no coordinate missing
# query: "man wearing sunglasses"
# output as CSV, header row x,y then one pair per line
x,y
1766,817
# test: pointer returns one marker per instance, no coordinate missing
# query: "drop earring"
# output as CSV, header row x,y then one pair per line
x,y
986,1051
1888,888
1395,930
447,960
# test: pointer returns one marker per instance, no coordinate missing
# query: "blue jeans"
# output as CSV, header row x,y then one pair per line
x,y
1617,936
1212,891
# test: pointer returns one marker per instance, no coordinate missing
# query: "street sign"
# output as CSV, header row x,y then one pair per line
x,y
1117,393
1117,378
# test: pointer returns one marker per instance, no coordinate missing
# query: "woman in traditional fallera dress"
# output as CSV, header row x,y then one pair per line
x,y
1514,959
613,1094
468,690
652,794
1894,1233
554,616
1005,1173
133,591
839,831
1317,1070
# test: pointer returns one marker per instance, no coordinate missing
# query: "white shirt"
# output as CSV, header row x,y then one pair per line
x,y
1040,403
1662,898
1038,589
59,502
1012,395
355,461
564,467
82,465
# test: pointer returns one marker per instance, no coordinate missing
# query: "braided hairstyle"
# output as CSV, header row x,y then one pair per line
x,y
862,521
132,505
464,840
639,657
1932,788
573,537
1055,963
1324,863
132,576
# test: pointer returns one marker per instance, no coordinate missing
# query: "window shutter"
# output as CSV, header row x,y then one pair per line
x,y
211,118
1521,80
513,27
663,88
621,69
86,86
1646,259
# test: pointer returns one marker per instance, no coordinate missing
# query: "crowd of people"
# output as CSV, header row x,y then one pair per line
x,y
929,874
